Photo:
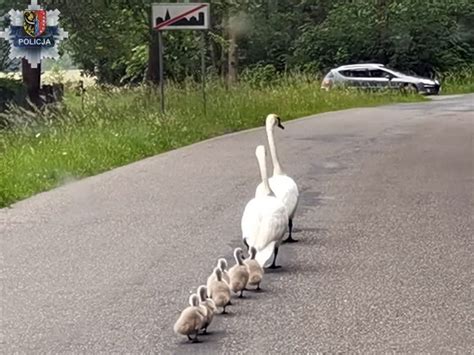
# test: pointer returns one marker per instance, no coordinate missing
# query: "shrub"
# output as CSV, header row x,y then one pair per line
x,y
260,75
12,91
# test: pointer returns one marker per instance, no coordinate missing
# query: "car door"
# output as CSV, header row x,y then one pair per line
x,y
393,80
379,79
346,79
357,78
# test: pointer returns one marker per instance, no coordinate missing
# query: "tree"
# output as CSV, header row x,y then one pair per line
x,y
113,39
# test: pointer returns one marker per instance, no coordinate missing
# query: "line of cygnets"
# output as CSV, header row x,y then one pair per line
x,y
265,220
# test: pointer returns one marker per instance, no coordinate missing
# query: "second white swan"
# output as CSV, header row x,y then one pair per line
x,y
282,185
264,221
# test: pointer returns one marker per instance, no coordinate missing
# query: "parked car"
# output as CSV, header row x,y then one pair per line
x,y
377,76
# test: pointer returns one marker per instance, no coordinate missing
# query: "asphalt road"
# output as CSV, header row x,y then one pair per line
x,y
384,261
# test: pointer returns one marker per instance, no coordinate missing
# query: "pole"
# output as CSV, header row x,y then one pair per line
x,y
203,70
160,58
32,81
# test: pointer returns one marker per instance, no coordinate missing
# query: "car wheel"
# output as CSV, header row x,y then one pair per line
x,y
410,89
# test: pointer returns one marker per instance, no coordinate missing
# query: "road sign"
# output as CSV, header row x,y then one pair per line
x,y
180,16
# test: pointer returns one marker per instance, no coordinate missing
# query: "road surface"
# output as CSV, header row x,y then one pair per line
x,y
384,262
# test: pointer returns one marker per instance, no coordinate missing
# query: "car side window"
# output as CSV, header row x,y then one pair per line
x,y
360,73
377,73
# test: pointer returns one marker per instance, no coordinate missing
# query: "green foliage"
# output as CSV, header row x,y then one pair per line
x,y
415,35
11,91
260,75
43,149
103,36
65,62
112,39
6,64
136,65
460,80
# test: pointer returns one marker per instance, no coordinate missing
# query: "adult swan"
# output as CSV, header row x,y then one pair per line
x,y
265,219
282,185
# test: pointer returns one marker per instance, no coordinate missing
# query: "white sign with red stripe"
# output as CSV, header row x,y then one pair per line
x,y
180,16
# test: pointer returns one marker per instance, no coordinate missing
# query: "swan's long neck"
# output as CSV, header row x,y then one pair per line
x,y
223,264
277,170
194,300
218,273
253,252
202,294
238,258
263,172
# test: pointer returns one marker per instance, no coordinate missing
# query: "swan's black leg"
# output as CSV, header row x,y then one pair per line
x,y
246,244
241,293
223,310
258,287
273,265
189,337
196,340
290,229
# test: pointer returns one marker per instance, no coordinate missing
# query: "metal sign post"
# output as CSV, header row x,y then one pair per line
x,y
180,16
203,71
161,69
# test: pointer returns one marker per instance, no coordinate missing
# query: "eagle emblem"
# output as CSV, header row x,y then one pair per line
x,y
34,22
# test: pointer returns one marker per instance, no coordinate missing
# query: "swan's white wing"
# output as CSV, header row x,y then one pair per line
x,y
250,223
264,223
273,224
286,190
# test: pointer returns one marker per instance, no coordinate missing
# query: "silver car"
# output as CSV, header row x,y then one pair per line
x,y
377,76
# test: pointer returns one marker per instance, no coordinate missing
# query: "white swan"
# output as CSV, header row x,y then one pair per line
x,y
283,186
265,219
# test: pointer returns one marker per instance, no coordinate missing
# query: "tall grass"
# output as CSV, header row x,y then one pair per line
x,y
43,149
458,81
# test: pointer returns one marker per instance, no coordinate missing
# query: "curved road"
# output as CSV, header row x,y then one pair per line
x,y
384,262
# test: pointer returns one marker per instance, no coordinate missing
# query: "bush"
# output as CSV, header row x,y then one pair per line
x,y
11,91
260,75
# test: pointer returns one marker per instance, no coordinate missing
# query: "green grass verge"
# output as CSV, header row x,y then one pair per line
x,y
117,126
458,82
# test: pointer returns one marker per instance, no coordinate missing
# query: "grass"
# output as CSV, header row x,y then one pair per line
x,y
458,82
41,150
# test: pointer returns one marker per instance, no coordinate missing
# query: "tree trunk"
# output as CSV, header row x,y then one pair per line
x,y
232,58
32,81
213,55
382,18
153,72
223,52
